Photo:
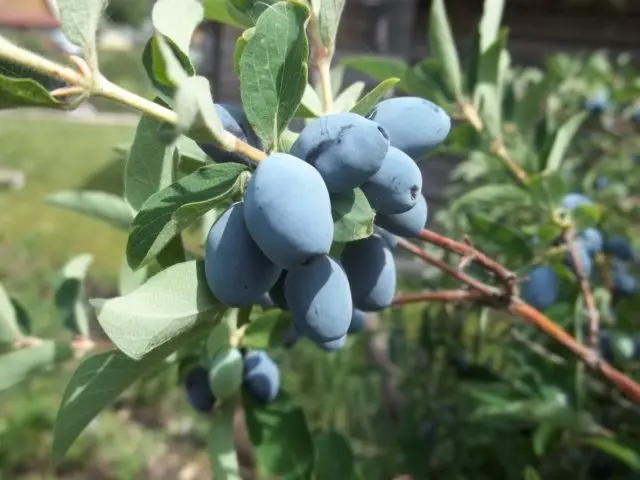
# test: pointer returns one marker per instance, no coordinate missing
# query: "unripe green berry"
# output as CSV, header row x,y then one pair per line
x,y
225,373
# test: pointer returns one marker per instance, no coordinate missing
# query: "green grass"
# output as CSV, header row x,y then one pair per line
x,y
58,155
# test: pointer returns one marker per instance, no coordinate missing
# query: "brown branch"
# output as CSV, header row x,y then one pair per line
x,y
590,357
534,317
442,265
438,296
585,286
466,250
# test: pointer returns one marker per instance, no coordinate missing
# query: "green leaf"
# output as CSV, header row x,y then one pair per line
x,y
586,216
443,46
542,436
177,20
273,69
221,447
287,139
531,473
281,440
197,115
334,457
151,164
504,193
547,190
614,448
98,380
241,43
529,108
19,364
220,334
328,13
562,140
129,279
352,216
9,327
217,11
348,97
487,95
96,204
268,330
165,65
19,87
171,210
247,12
366,103
310,105
80,20
336,77
190,149
504,238
378,68
70,295
490,22
22,317
173,301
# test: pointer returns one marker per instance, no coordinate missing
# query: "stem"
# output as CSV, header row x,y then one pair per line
x,y
500,150
105,88
619,379
469,252
33,61
439,296
585,286
536,348
470,113
93,83
513,304
442,265
322,60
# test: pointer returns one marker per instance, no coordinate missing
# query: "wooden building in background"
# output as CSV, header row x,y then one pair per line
x,y
27,14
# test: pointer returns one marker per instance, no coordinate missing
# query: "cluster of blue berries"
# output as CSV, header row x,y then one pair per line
x,y
275,242
208,382
542,286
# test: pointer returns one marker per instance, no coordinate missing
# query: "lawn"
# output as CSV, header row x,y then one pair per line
x,y
35,240
58,155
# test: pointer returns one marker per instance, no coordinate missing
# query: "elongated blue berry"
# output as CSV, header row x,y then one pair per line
x,y
371,271
237,271
288,210
319,299
397,186
415,125
347,149
407,224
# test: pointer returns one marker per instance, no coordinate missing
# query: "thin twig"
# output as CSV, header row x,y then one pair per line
x,y
585,286
93,83
590,357
466,250
535,347
67,91
536,318
322,61
442,265
470,113
437,296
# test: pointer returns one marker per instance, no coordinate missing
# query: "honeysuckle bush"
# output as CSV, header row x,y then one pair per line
x,y
480,390
540,134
